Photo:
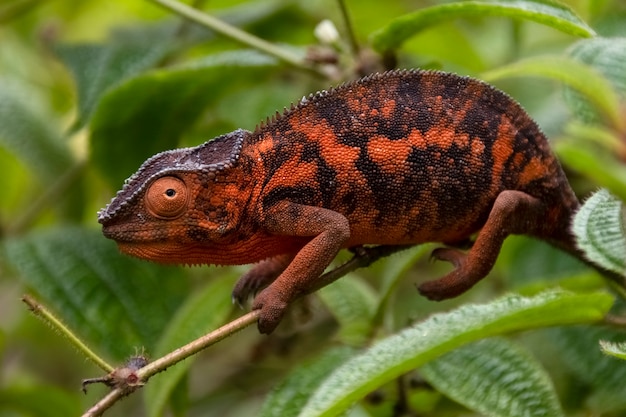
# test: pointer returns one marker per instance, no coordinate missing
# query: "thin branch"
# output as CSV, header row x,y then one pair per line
x,y
46,315
235,33
172,358
105,403
363,257
197,345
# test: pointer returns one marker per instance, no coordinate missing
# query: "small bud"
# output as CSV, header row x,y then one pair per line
x,y
326,32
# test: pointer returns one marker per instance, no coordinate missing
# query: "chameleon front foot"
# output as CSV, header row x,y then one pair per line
x,y
259,277
272,310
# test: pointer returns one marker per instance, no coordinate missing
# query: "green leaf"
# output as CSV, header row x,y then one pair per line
x,y
38,400
531,266
148,114
549,13
97,67
441,333
570,72
608,57
395,270
287,399
617,350
201,313
603,376
28,134
107,298
591,151
353,303
496,378
599,230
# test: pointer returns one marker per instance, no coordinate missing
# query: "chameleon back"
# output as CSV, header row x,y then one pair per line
x,y
407,156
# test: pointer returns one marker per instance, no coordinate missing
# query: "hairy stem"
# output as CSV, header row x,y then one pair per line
x,y
363,257
41,311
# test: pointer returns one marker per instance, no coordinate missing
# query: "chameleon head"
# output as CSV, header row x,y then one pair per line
x,y
169,211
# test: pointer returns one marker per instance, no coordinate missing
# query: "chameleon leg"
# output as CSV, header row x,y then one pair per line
x,y
329,231
260,276
513,212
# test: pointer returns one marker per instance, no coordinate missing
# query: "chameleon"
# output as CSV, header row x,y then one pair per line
x,y
397,158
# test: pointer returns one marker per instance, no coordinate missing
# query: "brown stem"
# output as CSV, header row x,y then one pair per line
x,y
363,257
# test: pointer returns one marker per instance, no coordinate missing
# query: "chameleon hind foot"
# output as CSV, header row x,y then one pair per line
x,y
513,212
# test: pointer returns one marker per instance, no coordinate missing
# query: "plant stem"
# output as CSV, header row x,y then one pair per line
x,y
363,257
235,33
46,315
197,345
172,358
105,403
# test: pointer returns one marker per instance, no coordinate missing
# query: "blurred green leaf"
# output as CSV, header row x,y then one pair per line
x,y
112,301
530,261
13,9
495,378
596,163
602,375
617,350
608,57
97,67
570,72
396,270
27,133
547,12
288,398
352,302
201,313
416,345
599,230
39,401
148,114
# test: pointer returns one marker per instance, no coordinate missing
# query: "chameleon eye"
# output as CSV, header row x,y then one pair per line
x,y
166,197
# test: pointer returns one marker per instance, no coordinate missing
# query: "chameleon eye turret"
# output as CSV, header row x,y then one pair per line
x,y
167,198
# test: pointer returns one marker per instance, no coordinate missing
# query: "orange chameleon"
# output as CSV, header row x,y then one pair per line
x,y
399,158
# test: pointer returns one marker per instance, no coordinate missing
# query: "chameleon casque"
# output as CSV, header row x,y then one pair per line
x,y
398,158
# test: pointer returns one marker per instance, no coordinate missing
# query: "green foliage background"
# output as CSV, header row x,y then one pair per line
x,y
89,90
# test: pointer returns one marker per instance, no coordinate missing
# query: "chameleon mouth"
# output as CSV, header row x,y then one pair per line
x,y
166,253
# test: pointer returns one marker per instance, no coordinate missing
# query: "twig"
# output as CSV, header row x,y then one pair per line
x,y
197,345
235,33
363,257
41,311
105,403
172,358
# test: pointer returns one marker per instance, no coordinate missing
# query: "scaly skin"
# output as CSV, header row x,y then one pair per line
x,y
399,158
